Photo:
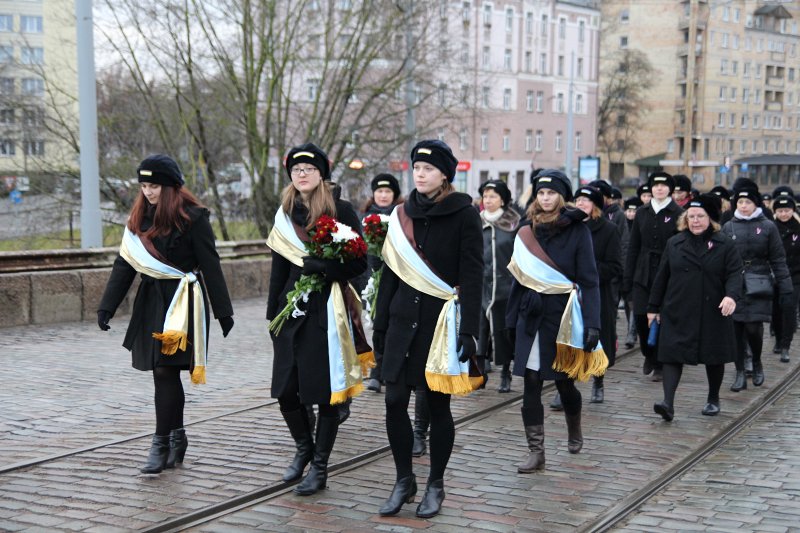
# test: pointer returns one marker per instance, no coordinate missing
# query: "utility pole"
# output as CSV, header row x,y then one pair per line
x,y
411,122
688,131
91,224
570,124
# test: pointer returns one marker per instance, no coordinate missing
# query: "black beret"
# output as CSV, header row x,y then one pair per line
x,y
160,169
438,154
782,190
386,180
720,191
682,183
592,193
500,187
603,186
643,188
784,201
616,194
633,203
711,203
661,178
313,155
550,178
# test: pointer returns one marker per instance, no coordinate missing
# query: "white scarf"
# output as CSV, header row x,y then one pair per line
x,y
658,205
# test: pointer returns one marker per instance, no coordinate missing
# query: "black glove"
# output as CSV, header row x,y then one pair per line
x,y
226,323
312,265
590,338
378,341
786,301
102,319
511,336
468,344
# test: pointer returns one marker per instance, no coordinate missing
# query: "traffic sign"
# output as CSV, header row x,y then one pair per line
x,y
15,196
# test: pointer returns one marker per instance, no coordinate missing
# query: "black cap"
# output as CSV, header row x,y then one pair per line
x,y
500,187
643,188
550,178
313,155
534,174
616,194
438,154
661,178
682,183
160,169
711,203
592,193
386,180
766,196
782,190
784,201
633,203
748,193
603,186
721,192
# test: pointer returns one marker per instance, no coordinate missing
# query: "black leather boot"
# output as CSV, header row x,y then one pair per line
x,y
535,460
666,411
157,460
740,383
556,404
344,410
505,379
574,435
597,390
177,447
432,500
403,492
785,355
758,374
312,418
298,424
317,477
421,423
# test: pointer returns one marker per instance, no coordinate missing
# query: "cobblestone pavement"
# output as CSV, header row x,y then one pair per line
x,y
71,386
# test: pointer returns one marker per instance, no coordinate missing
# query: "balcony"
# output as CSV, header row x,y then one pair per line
x,y
683,50
777,57
773,106
683,23
774,81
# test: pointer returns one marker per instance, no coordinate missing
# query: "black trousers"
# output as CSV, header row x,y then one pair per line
x,y
784,321
748,334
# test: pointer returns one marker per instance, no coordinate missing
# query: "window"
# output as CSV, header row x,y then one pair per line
x,y
730,146
6,86
724,43
528,141
529,101
529,23
758,96
7,147
486,57
579,74
742,146
506,140
6,54
485,140
744,121
578,141
734,67
790,74
30,24
733,94
755,147
528,61
560,65
33,147
624,16
509,20
560,103
506,99
732,121
723,66
737,13
487,14
745,96
33,86
735,42
543,63
312,87
756,120
746,69
726,14
670,145
462,139
485,96
539,101
6,23
465,94
623,42
758,70
507,59
581,31
579,103
543,28
33,117
748,43
558,141
6,116
721,120
620,145
538,140
722,92
562,28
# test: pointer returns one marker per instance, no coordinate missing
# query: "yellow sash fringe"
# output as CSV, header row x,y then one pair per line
x,y
171,341
579,364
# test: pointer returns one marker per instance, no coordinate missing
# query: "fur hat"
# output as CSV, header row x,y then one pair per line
x,y
500,187
784,201
682,183
616,194
313,155
386,180
550,178
642,189
782,190
438,154
633,203
751,194
661,178
592,193
603,186
710,203
721,192
160,169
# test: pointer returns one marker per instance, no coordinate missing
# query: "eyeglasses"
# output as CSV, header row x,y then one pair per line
x,y
296,171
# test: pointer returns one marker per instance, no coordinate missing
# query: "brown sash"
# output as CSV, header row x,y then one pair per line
x,y
408,231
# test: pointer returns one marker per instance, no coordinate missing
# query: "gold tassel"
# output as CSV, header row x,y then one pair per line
x,y
475,382
350,392
459,385
199,375
171,341
578,364
367,361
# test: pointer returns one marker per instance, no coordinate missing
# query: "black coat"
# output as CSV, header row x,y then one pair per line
x,y
759,244
190,249
790,237
498,245
449,236
302,343
529,312
695,274
608,259
648,238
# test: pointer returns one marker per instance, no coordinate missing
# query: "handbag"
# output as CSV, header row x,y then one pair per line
x,y
758,285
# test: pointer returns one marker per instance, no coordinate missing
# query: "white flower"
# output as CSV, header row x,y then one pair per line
x,y
384,218
343,233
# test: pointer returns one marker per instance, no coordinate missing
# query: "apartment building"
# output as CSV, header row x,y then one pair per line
x,y
38,87
726,96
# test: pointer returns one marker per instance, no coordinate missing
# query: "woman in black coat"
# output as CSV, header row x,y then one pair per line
x,y
300,369
654,224
694,295
174,228
758,242
608,258
446,231
500,222
533,318
785,321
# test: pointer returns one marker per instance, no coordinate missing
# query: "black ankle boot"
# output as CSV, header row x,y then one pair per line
x,y
403,492
432,500
758,374
785,355
299,426
157,460
317,477
556,404
177,447
597,390
505,380
740,383
666,411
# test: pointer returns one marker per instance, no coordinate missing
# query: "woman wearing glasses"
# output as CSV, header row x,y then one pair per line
x,y
300,372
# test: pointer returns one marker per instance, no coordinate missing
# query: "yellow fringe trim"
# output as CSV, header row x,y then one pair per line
x,y
459,385
578,364
171,341
367,361
199,375
343,395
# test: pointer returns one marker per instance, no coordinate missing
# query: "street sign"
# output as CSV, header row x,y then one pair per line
x,y
744,167
15,196
724,170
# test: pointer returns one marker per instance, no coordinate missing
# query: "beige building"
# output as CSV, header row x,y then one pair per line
x,y
726,97
38,87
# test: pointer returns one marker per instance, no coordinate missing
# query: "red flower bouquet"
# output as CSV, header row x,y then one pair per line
x,y
375,229
330,239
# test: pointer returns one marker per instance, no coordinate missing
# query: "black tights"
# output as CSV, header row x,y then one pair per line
x,y
748,333
401,436
672,376
643,330
169,399
532,409
290,399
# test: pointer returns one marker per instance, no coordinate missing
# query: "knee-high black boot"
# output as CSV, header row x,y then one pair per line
x,y
574,434
157,460
177,447
422,419
298,424
317,477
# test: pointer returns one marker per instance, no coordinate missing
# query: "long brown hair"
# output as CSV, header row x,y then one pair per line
x,y
537,215
319,203
170,212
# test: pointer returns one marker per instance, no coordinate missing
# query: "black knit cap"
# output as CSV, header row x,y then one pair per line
x,y
313,155
766,197
534,174
160,169
438,154
592,193
550,178
643,188
661,178
782,190
710,203
721,192
498,186
603,186
744,183
633,203
386,180
784,201
616,194
682,183
751,194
